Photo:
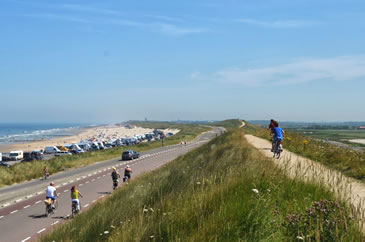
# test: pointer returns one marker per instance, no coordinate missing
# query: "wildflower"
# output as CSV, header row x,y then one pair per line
x,y
152,236
300,238
268,190
255,191
145,210
164,214
198,183
152,210
106,232
111,226
305,142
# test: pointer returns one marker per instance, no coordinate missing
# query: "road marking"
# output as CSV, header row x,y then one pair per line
x,y
27,206
93,180
65,190
89,174
55,223
71,181
40,231
104,169
86,205
16,201
102,196
98,177
29,196
81,185
5,205
83,177
13,211
28,238
93,201
1,217
77,179
104,175
37,202
64,184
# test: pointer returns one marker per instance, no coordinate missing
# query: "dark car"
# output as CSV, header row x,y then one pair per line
x,y
34,155
129,155
4,164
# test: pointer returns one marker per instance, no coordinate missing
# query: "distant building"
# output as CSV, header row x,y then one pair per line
x,y
362,127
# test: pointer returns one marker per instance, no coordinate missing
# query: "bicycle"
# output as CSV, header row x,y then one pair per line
x,y
50,208
277,149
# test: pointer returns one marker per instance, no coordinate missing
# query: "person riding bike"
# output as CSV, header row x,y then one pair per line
x,y
127,172
75,197
115,174
278,135
51,193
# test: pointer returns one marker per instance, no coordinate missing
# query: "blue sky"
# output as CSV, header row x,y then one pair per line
x,y
109,61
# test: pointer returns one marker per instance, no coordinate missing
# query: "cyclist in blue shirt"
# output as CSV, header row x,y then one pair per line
x,y
278,135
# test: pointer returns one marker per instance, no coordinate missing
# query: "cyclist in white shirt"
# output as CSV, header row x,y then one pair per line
x,y
51,193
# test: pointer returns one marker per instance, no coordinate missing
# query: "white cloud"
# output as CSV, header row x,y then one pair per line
x,y
279,23
345,68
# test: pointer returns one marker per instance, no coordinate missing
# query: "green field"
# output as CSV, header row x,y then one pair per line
x,y
223,191
339,135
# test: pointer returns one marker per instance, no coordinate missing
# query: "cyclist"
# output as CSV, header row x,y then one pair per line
x,y
115,174
51,193
75,197
127,172
271,126
278,135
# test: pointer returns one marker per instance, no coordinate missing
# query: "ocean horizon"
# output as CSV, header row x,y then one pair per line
x,y
12,133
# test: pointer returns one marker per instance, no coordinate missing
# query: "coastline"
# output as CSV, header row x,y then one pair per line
x,y
99,132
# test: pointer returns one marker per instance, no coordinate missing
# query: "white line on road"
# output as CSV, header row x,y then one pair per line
x,y
93,201
40,231
27,206
86,182
1,217
71,181
79,178
16,201
98,177
37,202
13,211
5,205
86,205
81,185
83,177
55,223
104,175
65,190
102,196
28,238
64,184
89,174
93,180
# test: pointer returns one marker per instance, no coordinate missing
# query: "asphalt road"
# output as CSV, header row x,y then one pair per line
x,y
25,220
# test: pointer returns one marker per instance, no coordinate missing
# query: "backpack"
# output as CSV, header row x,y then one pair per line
x,y
114,175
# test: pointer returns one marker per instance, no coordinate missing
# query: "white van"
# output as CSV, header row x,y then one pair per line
x,y
16,155
51,150
77,149
1,157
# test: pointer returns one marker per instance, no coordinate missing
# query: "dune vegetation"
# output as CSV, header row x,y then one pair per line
x,y
348,161
29,170
222,191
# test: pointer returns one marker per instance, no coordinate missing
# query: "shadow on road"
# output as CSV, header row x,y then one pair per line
x,y
37,216
103,192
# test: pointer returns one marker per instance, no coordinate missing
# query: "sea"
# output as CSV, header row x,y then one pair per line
x,y
11,133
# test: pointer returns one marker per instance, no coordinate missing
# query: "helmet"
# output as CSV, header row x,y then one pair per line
x,y
127,166
114,168
51,184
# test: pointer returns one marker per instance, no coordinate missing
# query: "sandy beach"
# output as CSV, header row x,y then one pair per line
x,y
100,133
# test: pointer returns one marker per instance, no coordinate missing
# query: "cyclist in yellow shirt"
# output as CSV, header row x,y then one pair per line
x,y
75,196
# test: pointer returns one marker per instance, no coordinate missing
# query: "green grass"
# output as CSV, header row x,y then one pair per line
x,y
207,195
348,161
30,170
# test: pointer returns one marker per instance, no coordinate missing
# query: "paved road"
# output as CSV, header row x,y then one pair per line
x,y
25,220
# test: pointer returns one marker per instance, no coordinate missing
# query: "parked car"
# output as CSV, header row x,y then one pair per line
x,y
85,146
51,150
31,156
94,146
130,155
16,155
1,157
62,153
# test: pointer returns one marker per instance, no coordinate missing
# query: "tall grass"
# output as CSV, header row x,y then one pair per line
x,y
348,161
30,170
222,191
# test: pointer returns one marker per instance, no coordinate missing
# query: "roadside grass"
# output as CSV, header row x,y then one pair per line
x,y
29,170
223,191
350,162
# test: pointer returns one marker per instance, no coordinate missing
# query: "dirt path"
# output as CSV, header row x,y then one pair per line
x,y
302,168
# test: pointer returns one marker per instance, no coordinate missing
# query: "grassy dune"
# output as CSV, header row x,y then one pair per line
x,y
30,170
223,191
348,161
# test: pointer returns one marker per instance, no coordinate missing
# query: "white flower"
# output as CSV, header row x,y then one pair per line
x,y
300,238
106,232
255,191
198,183
145,210
152,210
111,226
152,236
